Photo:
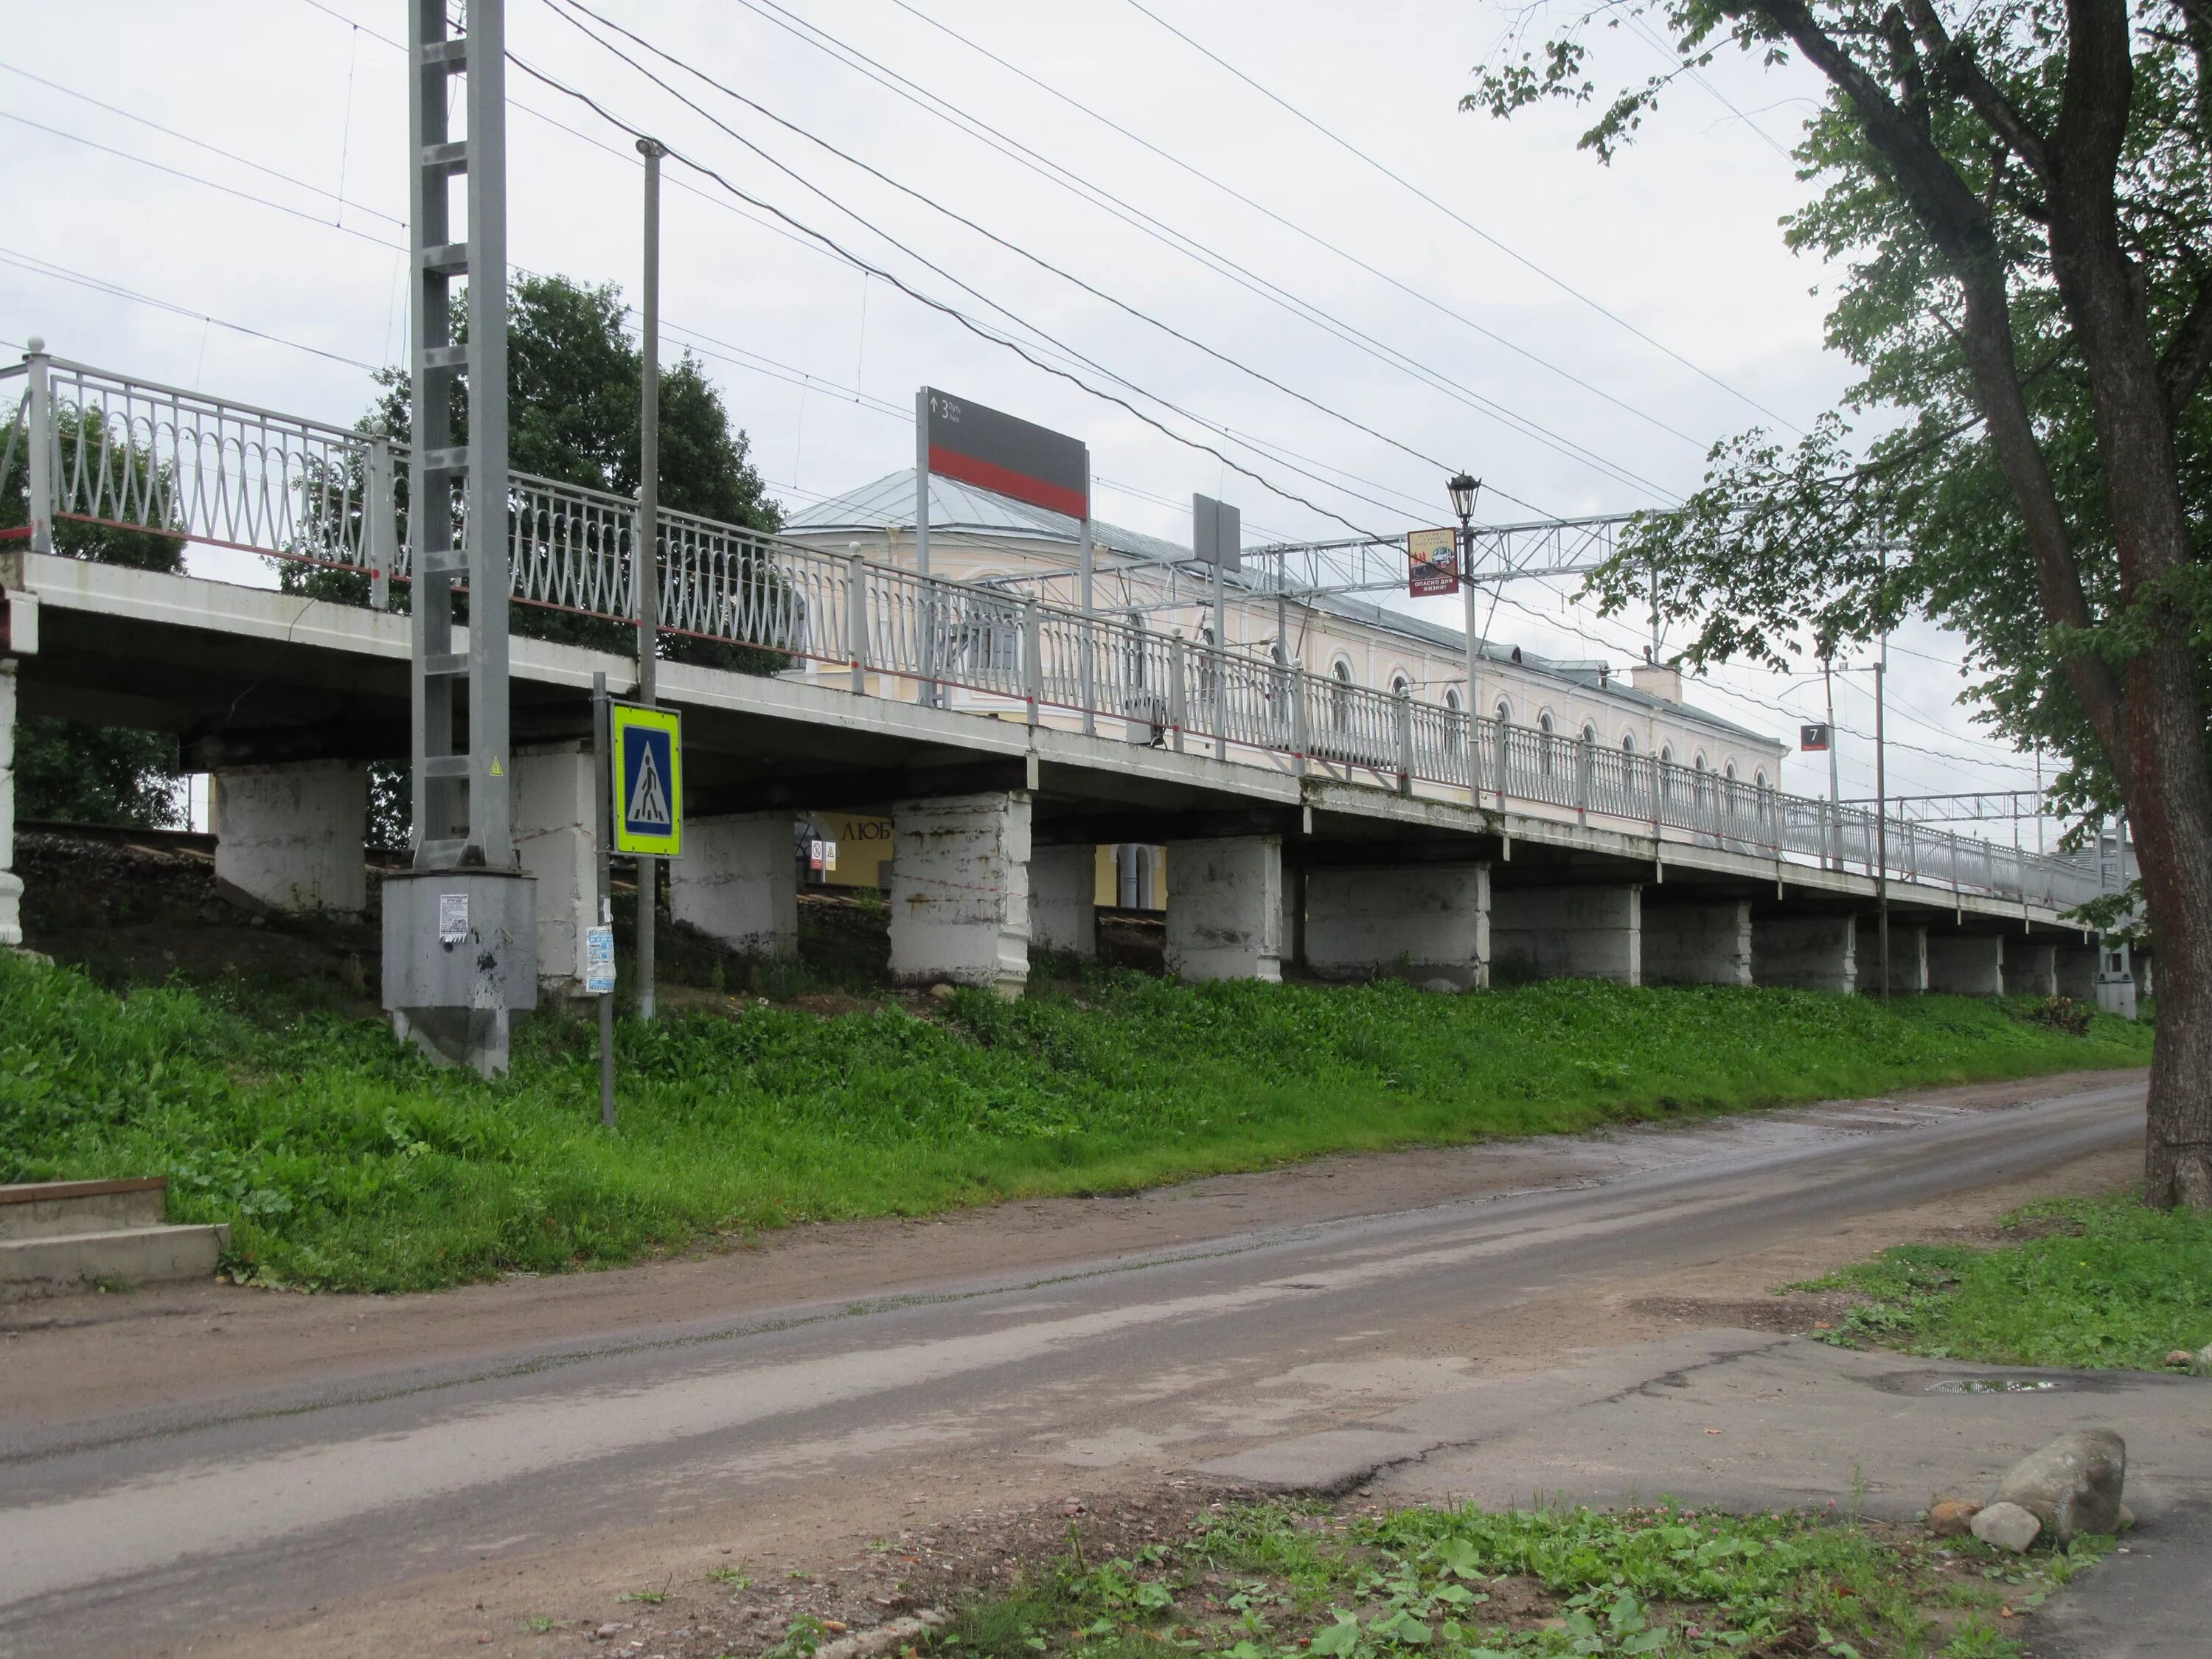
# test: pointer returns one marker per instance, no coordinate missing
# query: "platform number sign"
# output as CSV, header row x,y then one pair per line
x,y
1813,739
647,774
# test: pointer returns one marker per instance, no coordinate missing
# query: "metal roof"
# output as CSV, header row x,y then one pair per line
x,y
959,509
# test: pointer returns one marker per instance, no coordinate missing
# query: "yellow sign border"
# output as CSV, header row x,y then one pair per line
x,y
627,717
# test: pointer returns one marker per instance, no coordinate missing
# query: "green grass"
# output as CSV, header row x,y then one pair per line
x,y
343,1162
1270,1582
2101,1282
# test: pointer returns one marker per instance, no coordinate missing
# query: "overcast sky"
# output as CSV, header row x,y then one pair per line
x,y
1577,340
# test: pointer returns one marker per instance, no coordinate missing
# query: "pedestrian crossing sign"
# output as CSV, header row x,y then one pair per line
x,y
648,780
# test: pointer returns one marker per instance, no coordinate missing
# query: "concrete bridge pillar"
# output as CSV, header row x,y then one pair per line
x,y
1422,922
1225,908
2076,971
2030,970
1696,944
1908,956
1807,953
1567,932
11,884
738,882
290,836
1967,964
556,817
1063,900
960,891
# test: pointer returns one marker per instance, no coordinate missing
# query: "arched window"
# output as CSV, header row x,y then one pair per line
x,y
1544,740
1697,764
1505,711
1400,686
1451,698
1758,778
1544,722
1339,702
1628,742
1728,771
1667,753
1590,732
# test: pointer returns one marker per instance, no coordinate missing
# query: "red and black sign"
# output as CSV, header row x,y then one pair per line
x,y
1813,739
1006,456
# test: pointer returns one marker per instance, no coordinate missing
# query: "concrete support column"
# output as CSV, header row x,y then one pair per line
x,y
2031,970
1567,932
1908,956
1967,964
960,891
738,882
1808,953
1064,900
11,884
1707,944
556,804
289,836
2076,971
1428,923
2116,980
1225,908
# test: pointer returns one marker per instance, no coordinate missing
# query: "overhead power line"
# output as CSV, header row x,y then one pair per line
x,y
980,330
1296,228
1460,219
935,206
971,225
1096,196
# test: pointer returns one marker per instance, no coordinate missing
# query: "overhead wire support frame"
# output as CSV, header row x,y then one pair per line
x,y
460,948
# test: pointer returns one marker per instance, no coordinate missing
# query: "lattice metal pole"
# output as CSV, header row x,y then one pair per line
x,y
459,927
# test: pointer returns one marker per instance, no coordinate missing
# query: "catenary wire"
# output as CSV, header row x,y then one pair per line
x,y
1519,257
1296,228
557,7
1306,310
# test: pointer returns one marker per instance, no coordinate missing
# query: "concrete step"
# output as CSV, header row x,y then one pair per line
x,y
50,1209
119,1255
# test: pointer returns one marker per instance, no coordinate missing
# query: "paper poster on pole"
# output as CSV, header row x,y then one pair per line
x,y
647,774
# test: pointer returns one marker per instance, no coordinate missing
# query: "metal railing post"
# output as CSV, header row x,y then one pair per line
x,y
381,523
1405,715
1178,691
1301,727
856,620
1582,780
42,442
1032,658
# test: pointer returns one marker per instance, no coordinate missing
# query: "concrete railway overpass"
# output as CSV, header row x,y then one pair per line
x,y
1352,831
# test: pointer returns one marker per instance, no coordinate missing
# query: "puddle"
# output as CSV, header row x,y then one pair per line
x,y
1995,1385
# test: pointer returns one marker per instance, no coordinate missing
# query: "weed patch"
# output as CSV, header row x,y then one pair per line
x,y
1266,1581
2101,1282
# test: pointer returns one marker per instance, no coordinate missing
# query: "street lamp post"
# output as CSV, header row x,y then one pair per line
x,y
1462,487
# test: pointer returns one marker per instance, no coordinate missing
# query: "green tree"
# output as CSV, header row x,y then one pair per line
x,y
64,770
573,380
2018,195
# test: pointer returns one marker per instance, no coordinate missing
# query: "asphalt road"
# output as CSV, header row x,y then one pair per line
x,y
145,1531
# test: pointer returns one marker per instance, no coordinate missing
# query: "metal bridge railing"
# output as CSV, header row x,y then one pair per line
x,y
105,449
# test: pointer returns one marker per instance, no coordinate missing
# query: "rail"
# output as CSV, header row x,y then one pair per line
x,y
106,450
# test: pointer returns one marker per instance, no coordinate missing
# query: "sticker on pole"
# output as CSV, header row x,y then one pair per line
x,y
452,917
598,962
648,780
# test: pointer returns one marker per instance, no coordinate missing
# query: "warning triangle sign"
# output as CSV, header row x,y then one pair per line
x,y
648,795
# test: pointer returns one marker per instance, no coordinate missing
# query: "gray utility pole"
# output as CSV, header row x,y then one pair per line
x,y
603,827
460,935
1835,785
648,541
1882,796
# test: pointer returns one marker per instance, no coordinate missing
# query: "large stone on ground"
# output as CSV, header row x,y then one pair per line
x,y
2072,1485
2007,1526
